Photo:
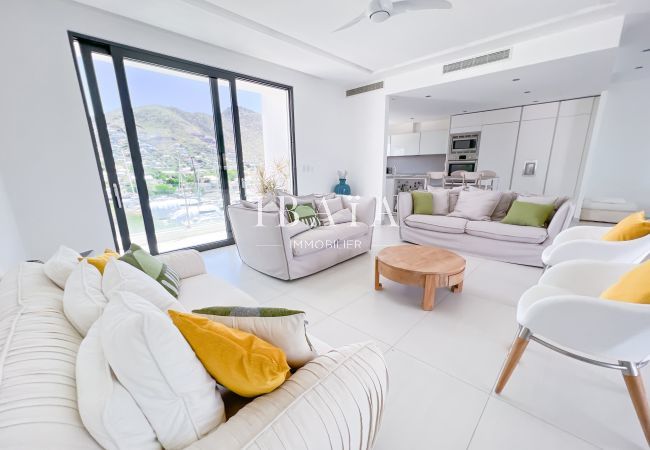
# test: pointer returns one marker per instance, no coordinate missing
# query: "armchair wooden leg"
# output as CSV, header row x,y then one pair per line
x,y
636,389
516,351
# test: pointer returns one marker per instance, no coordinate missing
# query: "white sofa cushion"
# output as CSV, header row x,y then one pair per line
x,y
107,409
505,232
326,208
83,299
440,200
476,205
123,277
157,366
59,267
321,238
38,348
443,224
335,401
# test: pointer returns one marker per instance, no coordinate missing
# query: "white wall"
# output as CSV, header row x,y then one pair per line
x,y
11,243
619,157
46,154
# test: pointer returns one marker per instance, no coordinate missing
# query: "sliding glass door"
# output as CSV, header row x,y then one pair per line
x,y
178,141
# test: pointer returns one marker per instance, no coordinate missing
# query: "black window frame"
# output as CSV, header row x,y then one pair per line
x,y
120,51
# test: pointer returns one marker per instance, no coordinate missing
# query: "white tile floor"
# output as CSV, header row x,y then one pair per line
x,y
443,364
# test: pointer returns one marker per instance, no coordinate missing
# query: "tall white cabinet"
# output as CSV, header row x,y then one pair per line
x,y
552,137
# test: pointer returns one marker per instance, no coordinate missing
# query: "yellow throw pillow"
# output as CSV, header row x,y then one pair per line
x,y
633,287
100,261
633,226
240,361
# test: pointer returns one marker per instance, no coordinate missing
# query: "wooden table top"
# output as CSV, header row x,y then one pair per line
x,y
422,259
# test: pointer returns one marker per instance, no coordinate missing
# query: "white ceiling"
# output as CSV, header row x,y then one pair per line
x,y
298,33
554,80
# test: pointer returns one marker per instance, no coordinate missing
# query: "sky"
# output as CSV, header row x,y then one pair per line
x,y
149,87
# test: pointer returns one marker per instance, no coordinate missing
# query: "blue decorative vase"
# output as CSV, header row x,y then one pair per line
x,y
342,188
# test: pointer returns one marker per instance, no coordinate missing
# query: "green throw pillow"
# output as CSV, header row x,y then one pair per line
x,y
162,273
242,311
305,214
422,202
528,214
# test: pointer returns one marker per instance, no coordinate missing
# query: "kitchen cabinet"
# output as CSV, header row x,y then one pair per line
x,y
576,107
566,155
541,111
534,145
404,144
434,142
497,150
467,120
501,116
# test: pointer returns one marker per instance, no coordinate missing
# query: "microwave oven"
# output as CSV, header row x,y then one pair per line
x,y
464,146
453,166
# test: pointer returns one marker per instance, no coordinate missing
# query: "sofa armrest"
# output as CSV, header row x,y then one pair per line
x,y
404,206
561,220
364,208
186,263
338,398
259,239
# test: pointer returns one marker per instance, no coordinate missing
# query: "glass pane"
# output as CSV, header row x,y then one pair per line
x,y
265,137
175,126
91,112
110,97
225,103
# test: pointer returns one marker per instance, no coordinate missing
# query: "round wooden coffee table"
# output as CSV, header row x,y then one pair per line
x,y
421,265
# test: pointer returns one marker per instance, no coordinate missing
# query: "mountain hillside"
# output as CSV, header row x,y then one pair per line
x,y
167,135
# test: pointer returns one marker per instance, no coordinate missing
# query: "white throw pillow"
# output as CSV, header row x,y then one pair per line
x,y
342,216
476,205
120,276
326,209
286,332
83,299
107,410
154,362
59,267
440,200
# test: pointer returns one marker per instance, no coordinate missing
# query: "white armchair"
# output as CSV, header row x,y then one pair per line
x,y
564,313
585,242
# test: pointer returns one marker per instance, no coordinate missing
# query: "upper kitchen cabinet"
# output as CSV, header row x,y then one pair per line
x,y
533,152
501,116
404,144
541,111
466,122
434,142
497,150
576,107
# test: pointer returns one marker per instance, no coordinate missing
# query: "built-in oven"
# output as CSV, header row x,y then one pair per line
x,y
453,166
464,146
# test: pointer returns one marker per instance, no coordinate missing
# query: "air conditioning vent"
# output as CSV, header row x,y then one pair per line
x,y
362,89
476,61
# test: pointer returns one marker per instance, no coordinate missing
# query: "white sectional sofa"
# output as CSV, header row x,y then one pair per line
x,y
267,243
489,239
335,401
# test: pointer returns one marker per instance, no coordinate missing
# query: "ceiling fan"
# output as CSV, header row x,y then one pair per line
x,y
382,10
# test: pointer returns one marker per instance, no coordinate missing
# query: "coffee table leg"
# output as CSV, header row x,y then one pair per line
x,y
458,288
378,286
429,296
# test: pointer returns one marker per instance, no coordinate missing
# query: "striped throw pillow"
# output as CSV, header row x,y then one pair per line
x,y
305,214
162,273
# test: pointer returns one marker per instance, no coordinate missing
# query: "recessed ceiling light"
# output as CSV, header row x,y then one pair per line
x,y
516,79
412,118
638,67
427,96
526,92
645,50
535,101
464,110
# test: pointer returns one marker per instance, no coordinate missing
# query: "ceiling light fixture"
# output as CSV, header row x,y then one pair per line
x,y
535,101
526,92
645,50
516,79
427,96
638,67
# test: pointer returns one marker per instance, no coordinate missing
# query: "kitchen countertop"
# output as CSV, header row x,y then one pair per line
x,y
407,175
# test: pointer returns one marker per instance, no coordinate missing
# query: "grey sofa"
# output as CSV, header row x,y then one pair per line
x,y
488,239
289,251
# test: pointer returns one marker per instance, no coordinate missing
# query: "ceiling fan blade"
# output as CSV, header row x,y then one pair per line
x,y
415,5
354,21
